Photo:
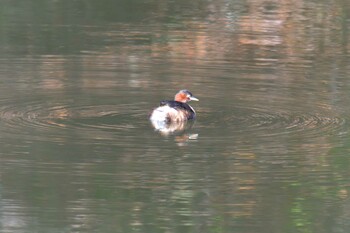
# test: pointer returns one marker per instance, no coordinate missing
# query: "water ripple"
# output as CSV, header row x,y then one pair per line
x,y
37,120
55,122
284,122
265,122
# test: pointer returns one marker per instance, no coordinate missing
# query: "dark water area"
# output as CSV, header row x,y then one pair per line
x,y
268,152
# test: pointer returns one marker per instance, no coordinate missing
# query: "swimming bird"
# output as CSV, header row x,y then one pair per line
x,y
177,110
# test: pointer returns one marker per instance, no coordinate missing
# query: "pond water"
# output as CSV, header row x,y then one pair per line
x,y
268,152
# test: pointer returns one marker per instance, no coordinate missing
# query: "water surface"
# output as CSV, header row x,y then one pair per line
x,y
267,153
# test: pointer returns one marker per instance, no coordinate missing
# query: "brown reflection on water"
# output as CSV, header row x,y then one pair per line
x,y
265,35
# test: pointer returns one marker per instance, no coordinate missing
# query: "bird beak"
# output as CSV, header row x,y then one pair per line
x,y
194,98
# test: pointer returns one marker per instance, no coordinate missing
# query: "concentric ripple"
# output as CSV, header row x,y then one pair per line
x,y
283,122
55,122
61,122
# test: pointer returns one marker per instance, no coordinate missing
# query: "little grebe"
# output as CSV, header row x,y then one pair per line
x,y
175,110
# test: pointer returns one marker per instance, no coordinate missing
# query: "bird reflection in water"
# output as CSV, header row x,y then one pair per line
x,y
178,129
